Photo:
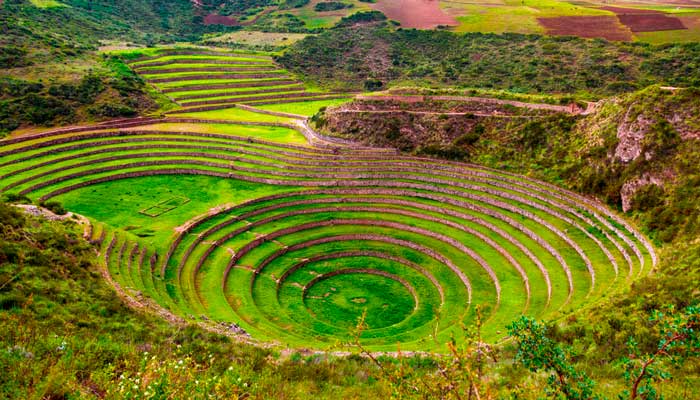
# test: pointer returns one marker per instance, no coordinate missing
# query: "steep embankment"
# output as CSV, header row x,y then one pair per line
x,y
441,125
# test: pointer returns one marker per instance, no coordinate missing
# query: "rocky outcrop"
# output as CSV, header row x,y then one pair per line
x,y
630,134
630,188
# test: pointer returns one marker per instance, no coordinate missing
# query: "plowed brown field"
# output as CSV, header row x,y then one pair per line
x,y
646,20
589,27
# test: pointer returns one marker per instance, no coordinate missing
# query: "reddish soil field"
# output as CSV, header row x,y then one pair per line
x,y
420,14
651,22
646,20
588,27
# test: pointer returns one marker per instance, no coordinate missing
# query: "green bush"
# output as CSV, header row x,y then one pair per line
x,y
84,92
648,197
12,57
331,6
373,85
446,152
55,207
289,4
17,198
112,110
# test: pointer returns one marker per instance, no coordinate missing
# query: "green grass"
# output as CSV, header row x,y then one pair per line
x,y
204,58
308,108
679,36
131,195
196,73
268,133
235,114
182,84
241,90
202,65
47,3
341,300
243,96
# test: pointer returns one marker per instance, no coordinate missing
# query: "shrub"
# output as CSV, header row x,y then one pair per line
x,y
361,18
331,6
373,84
55,207
289,4
40,109
648,197
11,57
446,152
84,92
469,138
112,110
17,198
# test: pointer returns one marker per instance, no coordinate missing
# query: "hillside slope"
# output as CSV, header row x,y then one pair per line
x,y
380,56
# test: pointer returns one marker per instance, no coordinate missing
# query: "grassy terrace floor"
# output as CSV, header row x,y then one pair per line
x,y
243,216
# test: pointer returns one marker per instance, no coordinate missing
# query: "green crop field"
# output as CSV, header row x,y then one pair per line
x,y
243,216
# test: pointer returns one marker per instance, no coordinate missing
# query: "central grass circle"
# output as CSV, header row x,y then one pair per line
x,y
341,299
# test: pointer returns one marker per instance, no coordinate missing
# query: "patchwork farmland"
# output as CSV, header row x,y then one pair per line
x,y
625,21
243,218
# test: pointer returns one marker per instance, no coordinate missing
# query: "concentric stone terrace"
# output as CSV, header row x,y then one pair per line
x,y
321,234
214,80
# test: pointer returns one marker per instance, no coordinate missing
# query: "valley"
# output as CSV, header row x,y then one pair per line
x,y
287,199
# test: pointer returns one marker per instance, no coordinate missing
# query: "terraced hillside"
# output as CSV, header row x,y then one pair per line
x,y
247,219
214,80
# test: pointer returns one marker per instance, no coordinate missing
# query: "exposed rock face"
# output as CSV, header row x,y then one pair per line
x,y
632,130
630,135
630,188
400,129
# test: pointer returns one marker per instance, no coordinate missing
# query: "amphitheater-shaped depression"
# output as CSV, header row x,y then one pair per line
x,y
323,233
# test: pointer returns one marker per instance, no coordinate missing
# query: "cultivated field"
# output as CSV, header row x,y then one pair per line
x,y
625,21
242,217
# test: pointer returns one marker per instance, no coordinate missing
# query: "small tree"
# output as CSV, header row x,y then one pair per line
x,y
680,339
537,352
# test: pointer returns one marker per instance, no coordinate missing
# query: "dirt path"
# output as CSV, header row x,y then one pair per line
x,y
478,114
